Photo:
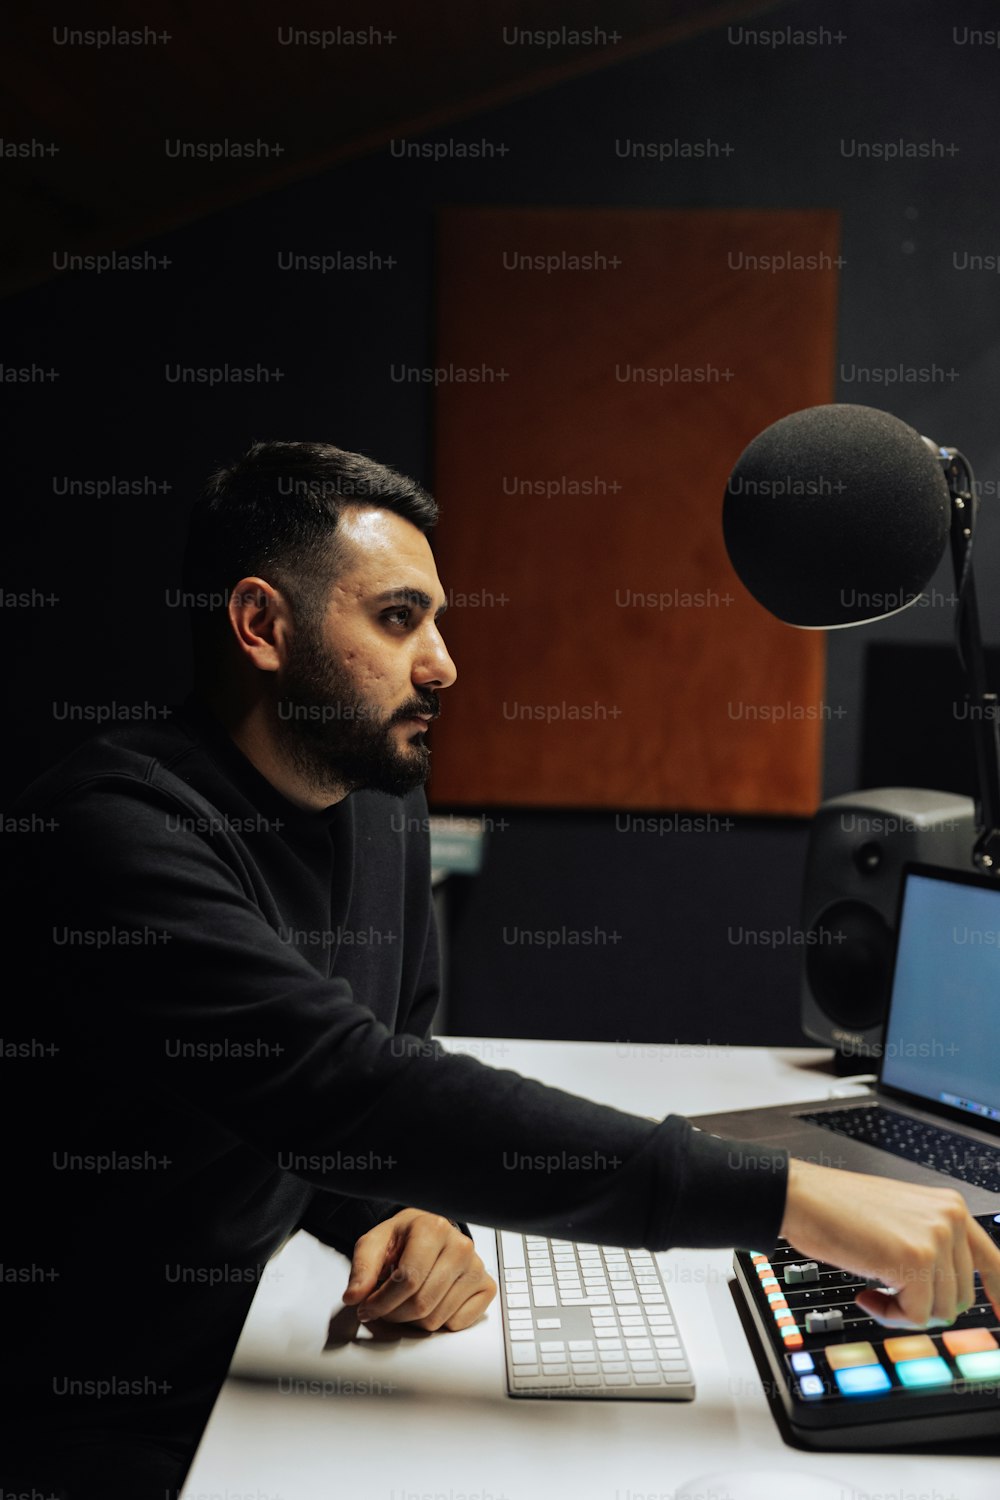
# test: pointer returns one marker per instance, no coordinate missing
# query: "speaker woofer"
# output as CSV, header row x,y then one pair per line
x,y
848,964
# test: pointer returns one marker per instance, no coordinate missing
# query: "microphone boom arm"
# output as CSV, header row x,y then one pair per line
x,y
984,709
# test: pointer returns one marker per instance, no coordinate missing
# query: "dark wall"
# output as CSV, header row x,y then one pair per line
x,y
625,927
798,117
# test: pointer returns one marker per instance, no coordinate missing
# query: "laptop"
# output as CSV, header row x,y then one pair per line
x,y
933,1116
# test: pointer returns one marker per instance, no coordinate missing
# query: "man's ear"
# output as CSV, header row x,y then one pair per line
x,y
260,621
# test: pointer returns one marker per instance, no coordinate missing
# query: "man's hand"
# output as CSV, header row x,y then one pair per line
x,y
418,1268
921,1242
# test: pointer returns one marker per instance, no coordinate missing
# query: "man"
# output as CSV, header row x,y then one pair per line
x,y
235,962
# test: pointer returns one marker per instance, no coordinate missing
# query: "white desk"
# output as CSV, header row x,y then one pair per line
x,y
428,1418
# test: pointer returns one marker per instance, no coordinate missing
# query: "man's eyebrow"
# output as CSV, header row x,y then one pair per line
x,y
409,596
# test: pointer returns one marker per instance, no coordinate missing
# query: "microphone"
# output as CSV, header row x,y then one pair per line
x,y
837,514
840,514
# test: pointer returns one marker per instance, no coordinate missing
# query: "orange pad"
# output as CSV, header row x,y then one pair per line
x,y
839,1356
916,1346
968,1340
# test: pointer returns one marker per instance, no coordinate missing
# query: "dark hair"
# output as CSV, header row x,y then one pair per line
x,y
274,513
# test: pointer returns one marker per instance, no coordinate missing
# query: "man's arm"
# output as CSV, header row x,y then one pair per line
x,y
339,1221
301,1071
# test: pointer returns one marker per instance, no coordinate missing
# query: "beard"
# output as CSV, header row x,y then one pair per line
x,y
337,740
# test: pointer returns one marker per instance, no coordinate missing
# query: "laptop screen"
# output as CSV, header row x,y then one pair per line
x,y
942,1036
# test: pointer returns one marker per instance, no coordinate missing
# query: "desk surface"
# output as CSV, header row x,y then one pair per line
x,y
426,1417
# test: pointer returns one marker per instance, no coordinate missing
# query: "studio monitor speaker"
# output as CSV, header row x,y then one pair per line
x,y
858,845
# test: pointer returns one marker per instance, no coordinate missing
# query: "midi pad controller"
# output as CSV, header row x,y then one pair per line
x,y
846,1381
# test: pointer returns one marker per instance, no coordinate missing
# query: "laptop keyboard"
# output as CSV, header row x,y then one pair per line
x,y
915,1140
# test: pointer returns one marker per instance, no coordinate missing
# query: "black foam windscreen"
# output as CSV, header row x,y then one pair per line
x,y
836,514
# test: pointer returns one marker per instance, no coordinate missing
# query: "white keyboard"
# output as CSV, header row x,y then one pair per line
x,y
588,1321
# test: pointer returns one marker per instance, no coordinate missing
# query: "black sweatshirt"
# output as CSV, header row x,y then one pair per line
x,y
240,993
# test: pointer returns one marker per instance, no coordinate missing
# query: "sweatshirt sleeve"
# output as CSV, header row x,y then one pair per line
x,y
225,1017
340,1221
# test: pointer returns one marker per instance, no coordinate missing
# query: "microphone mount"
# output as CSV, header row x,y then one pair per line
x,y
984,709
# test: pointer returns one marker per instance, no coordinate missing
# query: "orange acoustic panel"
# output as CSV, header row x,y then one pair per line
x,y
598,371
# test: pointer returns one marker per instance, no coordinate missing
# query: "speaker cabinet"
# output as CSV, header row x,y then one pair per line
x,y
858,846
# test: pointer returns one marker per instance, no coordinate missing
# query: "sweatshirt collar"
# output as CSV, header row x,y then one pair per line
x,y
264,795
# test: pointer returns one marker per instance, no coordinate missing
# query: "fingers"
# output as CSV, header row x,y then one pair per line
x,y
426,1260
922,1244
369,1260
467,1297
472,1310
940,1280
947,1282
433,1287
936,1283
987,1261
885,1308
965,1273
415,1286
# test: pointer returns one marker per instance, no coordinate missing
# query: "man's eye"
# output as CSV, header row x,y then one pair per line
x,y
402,614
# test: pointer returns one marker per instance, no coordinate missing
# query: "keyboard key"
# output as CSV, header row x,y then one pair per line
x,y
915,1140
513,1248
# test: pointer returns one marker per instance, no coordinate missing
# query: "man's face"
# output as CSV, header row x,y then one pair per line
x,y
348,691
